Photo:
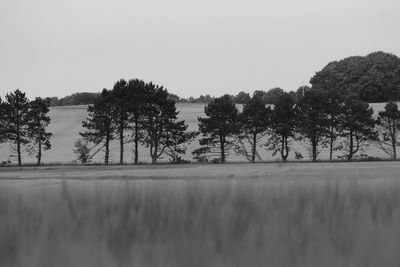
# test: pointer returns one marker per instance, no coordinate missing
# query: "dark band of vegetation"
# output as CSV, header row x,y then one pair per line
x,y
333,113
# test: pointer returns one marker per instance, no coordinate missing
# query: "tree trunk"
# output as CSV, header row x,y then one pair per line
x,y
351,147
331,144
394,141
314,149
121,142
222,140
19,146
284,148
106,156
154,154
39,156
136,141
253,156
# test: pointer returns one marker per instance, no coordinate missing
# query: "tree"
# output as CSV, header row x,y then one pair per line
x,y
138,96
99,126
283,121
3,122
272,95
356,126
164,133
120,105
254,121
301,92
312,121
242,98
38,120
218,128
374,78
82,150
388,125
16,115
333,109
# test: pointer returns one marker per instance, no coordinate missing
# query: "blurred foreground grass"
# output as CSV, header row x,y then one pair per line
x,y
201,223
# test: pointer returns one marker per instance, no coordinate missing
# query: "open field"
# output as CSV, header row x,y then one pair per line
x,y
66,123
326,214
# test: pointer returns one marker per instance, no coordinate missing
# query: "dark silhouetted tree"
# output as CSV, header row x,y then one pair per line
x,y
218,128
164,133
120,104
16,115
38,120
99,126
283,121
138,96
254,121
388,126
3,122
356,126
312,121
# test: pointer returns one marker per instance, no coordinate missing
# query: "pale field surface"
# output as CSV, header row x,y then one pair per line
x,y
326,214
66,123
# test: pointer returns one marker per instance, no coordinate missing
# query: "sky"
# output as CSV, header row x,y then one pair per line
x,y
192,47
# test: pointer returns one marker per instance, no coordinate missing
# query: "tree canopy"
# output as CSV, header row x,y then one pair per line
x,y
373,78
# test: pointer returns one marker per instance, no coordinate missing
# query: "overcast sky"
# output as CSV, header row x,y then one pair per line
x,y
192,47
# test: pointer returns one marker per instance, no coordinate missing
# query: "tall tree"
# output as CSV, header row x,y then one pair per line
x,y
3,122
333,109
218,128
356,126
254,121
38,120
120,105
283,121
312,121
138,96
163,130
16,115
99,126
388,126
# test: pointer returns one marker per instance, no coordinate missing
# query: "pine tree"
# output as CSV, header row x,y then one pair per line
x,y
312,121
283,121
254,121
3,122
356,126
218,128
120,104
388,126
38,120
16,115
137,97
99,126
164,133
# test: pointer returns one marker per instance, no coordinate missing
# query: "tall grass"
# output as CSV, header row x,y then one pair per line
x,y
203,223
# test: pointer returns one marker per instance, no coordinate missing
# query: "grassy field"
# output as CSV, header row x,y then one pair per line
x,y
200,215
66,123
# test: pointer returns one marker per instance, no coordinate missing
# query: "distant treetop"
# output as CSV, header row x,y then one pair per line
x,y
373,78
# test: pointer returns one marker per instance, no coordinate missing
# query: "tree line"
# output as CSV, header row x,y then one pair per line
x,y
333,113
318,119
23,124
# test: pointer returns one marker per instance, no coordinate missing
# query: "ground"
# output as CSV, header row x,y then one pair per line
x,y
324,171
266,214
